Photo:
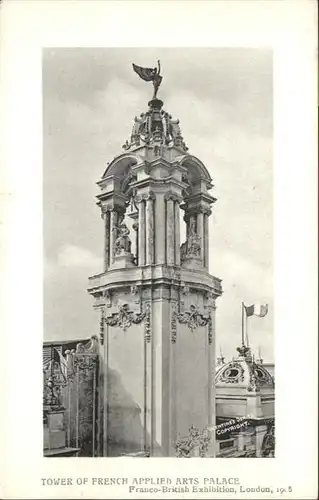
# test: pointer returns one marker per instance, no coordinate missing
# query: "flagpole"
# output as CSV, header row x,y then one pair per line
x,y
246,327
242,325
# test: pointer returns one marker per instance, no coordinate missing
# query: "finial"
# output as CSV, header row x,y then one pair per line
x,y
220,359
243,350
221,354
260,359
150,75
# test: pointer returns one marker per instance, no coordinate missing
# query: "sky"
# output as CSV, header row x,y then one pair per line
x,y
224,100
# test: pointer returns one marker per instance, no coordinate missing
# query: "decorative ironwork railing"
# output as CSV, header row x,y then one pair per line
x,y
71,385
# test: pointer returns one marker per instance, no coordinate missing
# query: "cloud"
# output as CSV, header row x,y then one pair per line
x,y
236,270
72,256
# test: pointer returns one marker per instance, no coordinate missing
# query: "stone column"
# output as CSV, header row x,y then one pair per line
x,y
141,231
105,393
149,258
211,369
160,229
177,234
148,380
211,357
206,241
170,220
113,229
172,379
135,227
200,232
106,253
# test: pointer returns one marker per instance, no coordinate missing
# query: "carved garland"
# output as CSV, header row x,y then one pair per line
x,y
147,324
173,324
193,318
210,329
126,318
102,322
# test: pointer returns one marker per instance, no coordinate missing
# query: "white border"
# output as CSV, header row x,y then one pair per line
x,y
289,28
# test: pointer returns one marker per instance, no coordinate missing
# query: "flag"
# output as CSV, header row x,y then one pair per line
x,y
257,310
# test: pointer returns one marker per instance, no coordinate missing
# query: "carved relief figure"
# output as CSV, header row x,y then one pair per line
x,y
137,128
193,241
122,242
191,247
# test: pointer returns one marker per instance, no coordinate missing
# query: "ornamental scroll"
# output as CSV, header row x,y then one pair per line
x,y
126,318
193,319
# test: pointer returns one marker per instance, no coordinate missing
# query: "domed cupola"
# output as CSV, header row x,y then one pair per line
x,y
244,372
244,387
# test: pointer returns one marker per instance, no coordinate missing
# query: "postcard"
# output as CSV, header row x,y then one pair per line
x,y
159,224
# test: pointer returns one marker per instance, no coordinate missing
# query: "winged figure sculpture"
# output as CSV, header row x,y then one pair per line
x,y
150,75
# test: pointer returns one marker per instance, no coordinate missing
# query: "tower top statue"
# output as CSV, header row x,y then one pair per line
x,y
150,75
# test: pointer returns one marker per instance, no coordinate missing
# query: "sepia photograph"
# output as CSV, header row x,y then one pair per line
x,y
158,253
158,274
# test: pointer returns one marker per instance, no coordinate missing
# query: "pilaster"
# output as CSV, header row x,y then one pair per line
x,y
206,241
149,229
141,230
170,230
177,234
200,232
106,220
160,229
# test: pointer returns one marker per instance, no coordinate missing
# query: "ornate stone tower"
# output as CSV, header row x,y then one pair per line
x,y
155,295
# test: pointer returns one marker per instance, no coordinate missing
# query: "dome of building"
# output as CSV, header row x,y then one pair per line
x,y
244,388
243,372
